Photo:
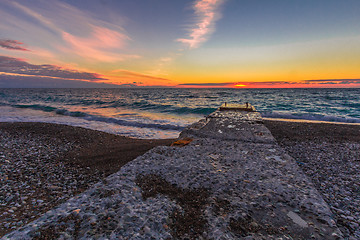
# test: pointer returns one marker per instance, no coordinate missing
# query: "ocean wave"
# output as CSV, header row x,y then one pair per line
x,y
179,111
37,107
199,110
164,108
159,107
90,117
314,117
352,105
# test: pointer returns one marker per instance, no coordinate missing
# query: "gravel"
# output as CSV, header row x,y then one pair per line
x,y
31,181
43,165
329,154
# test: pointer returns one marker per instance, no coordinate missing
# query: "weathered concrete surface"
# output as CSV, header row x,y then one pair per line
x,y
231,126
254,190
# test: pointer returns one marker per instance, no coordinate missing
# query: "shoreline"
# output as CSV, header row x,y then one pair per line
x,y
308,121
305,141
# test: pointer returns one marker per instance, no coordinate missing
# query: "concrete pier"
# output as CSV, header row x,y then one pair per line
x,y
228,180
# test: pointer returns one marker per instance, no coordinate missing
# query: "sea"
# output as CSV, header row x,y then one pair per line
x,y
164,112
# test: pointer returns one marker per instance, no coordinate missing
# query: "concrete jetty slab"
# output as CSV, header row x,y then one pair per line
x,y
237,107
231,181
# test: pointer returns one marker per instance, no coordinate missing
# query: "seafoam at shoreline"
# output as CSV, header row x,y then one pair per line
x,y
11,114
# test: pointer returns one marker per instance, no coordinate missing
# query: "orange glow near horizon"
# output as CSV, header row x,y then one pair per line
x,y
349,83
239,85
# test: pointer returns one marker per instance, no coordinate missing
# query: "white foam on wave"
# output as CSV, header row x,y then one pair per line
x,y
11,114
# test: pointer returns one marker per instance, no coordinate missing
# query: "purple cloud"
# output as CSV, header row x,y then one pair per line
x,y
333,81
19,66
18,81
207,84
12,45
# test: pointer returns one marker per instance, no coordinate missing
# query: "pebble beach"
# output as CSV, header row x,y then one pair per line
x,y
43,165
329,154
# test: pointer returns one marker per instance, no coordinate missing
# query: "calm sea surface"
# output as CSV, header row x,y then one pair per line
x,y
163,113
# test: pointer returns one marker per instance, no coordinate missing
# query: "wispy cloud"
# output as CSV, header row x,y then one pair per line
x,y
12,45
28,81
10,65
90,38
333,81
136,74
43,20
141,79
98,45
207,13
208,84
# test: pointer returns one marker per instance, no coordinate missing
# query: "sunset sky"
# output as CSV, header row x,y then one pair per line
x,y
180,43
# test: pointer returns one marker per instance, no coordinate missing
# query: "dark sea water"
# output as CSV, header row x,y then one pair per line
x,y
164,112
